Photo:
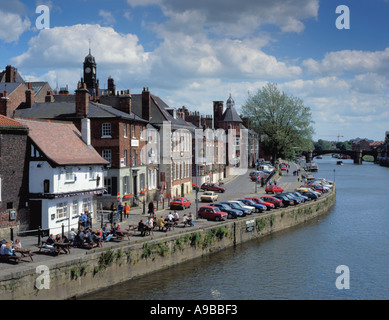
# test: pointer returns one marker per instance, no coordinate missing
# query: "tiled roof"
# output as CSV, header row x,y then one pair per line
x,y
61,142
9,123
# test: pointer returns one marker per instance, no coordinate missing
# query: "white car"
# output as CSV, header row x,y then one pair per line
x,y
240,203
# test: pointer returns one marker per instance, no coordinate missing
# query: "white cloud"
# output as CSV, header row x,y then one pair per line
x,y
338,62
12,26
233,17
108,18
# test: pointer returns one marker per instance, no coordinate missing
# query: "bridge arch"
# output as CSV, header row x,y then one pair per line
x,y
356,155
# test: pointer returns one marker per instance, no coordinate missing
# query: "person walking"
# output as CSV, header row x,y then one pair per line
x,y
126,210
151,208
120,211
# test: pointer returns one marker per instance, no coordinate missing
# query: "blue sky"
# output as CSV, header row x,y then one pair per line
x,y
194,52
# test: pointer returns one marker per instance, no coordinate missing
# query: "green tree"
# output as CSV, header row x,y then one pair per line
x,y
283,120
323,145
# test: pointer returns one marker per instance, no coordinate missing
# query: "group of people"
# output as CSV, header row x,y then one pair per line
x,y
121,210
90,237
8,248
170,220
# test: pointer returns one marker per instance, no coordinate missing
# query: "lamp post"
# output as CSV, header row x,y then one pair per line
x,y
197,191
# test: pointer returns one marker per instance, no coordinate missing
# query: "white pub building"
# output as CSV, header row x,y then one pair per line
x,y
65,174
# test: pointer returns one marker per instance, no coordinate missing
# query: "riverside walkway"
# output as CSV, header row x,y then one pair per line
x,y
237,186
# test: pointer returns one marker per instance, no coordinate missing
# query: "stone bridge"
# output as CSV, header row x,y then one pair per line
x,y
356,155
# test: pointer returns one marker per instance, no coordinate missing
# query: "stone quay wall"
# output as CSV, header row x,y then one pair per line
x,y
103,267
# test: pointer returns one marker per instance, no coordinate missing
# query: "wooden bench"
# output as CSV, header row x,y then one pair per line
x,y
48,250
58,248
24,253
14,258
119,236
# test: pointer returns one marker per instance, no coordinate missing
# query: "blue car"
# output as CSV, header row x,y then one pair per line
x,y
237,207
302,196
258,207
293,198
232,213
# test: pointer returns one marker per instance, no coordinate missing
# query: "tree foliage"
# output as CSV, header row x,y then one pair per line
x,y
283,121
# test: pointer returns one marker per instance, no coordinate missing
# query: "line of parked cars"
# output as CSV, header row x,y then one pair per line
x,y
233,209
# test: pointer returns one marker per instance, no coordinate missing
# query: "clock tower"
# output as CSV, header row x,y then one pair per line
x,y
90,77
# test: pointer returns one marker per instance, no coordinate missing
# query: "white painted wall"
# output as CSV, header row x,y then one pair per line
x,y
83,178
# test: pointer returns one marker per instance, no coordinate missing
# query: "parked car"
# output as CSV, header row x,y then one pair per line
x,y
273,189
212,213
293,198
299,194
253,173
285,200
179,203
237,207
240,203
268,205
277,202
208,196
310,194
232,213
300,197
252,203
212,187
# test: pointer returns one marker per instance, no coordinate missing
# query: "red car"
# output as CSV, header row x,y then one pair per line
x,y
273,189
268,205
212,187
180,203
277,202
212,213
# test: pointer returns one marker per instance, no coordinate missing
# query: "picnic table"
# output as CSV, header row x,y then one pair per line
x,y
58,247
24,253
14,258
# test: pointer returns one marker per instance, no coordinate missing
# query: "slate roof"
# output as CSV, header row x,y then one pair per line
x,y
61,143
9,86
67,110
159,112
230,115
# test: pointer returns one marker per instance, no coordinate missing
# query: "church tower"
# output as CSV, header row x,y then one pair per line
x,y
90,76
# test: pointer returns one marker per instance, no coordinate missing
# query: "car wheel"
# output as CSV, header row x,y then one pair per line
x,y
217,219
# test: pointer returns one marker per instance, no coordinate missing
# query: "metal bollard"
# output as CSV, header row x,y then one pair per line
x,y
39,235
63,230
12,234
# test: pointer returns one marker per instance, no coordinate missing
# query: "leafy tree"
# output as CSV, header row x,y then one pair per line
x,y
283,120
323,145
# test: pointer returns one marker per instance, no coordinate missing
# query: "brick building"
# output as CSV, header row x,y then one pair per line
x,y
14,211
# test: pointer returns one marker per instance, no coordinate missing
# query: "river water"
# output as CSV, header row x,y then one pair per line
x,y
295,264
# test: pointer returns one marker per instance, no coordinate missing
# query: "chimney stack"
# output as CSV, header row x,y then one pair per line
x,y
30,96
82,101
217,113
146,104
10,74
125,102
111,87
86,131
49,97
